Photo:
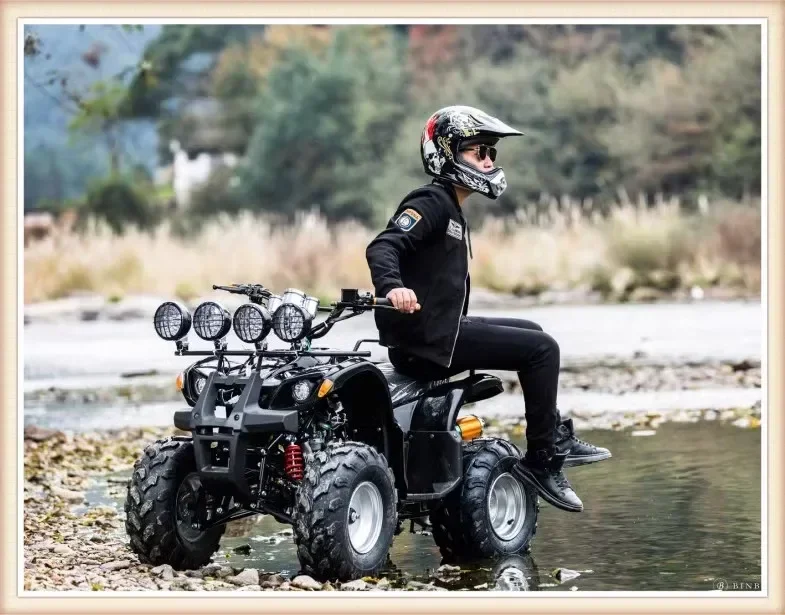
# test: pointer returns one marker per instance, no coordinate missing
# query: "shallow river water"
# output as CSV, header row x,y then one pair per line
x,y
673,511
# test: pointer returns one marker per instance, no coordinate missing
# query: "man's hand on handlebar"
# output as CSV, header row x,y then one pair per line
x,y
404,300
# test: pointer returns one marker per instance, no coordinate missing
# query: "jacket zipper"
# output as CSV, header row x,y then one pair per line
x,y
460,311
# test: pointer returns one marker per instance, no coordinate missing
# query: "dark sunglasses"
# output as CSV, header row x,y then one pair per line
x,y
483,151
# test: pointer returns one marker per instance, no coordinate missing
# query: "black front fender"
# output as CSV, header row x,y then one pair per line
x,y
363,392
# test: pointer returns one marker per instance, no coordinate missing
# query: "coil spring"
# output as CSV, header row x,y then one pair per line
x,y
293,463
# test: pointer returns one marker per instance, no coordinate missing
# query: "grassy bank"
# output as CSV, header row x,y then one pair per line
x,y
631,252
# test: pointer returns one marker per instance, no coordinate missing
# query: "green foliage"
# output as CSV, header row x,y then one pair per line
x,y
606,110
165,57
117,201
323,127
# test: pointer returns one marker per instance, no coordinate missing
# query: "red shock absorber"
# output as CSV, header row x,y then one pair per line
x,y
293,463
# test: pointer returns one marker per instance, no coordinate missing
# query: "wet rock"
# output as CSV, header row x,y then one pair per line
x,y
565,574
327,587
211,570
224,571
383,583
164,571
40,434
358,585
67,494
147,583
574,588
242,550
271,580
184,583
710,415
250,588
447,569
116,565
249,576
285,586
304,581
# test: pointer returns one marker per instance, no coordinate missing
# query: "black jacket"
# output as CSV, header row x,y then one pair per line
x,y
425,248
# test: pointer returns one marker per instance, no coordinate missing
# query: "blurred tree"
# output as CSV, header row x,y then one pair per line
x,y
696,126
169,74
75,125
323,126
120,201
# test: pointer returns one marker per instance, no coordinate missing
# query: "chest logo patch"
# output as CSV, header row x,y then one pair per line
x,y
455,230
407,219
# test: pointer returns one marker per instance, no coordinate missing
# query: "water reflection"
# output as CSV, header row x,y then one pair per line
x,y
673,511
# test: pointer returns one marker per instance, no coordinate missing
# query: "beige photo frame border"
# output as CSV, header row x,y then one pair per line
x,y
11,601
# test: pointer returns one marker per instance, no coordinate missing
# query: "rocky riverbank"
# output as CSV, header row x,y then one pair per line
x,y
71,543
601,377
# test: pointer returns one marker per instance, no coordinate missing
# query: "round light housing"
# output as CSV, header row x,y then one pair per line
x,y
311,304
293,296
273,303
252,323
291,322
301,390
171,321
211,321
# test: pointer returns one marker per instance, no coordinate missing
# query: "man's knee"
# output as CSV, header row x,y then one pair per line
x,y
548,349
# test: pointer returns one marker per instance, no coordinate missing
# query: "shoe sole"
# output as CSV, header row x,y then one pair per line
x,y
571,462
542,492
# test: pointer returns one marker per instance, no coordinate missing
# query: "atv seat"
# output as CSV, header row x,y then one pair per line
x,y
402,387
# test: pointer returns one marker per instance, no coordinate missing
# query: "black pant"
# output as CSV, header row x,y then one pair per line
x,y
503,344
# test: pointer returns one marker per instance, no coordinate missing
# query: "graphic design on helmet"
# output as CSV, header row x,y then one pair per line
x,y
473,183
450,130
435,159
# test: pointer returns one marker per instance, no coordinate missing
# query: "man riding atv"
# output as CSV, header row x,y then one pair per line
x,y
420,262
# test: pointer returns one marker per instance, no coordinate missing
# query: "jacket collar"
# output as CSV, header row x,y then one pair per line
x,y
450,190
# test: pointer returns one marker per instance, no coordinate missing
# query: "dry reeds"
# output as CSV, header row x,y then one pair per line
x,y
630,245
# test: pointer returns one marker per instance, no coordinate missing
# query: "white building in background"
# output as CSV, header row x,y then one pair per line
x,y
190,173
205,143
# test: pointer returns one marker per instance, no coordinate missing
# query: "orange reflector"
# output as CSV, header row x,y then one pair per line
x,y
325,387
469,427
179,382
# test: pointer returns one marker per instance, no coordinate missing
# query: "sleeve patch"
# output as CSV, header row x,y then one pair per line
x,y
407,219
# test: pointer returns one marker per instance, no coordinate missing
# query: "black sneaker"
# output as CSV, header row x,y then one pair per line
x,y
578,452
542,470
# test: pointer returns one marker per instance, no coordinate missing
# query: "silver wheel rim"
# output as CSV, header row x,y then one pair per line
x,y
506,506
365,517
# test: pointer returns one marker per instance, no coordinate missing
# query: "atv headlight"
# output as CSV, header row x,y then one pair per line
x,y
293,296
171,321
211,321
291,322
252,323
273,303
301,390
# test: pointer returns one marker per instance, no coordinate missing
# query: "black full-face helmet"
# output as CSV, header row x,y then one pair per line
x,y
452,129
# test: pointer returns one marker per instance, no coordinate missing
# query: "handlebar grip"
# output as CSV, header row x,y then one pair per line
x,y
382,302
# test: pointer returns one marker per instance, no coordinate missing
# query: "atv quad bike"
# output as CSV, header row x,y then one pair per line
x,y
341,448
